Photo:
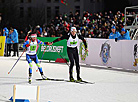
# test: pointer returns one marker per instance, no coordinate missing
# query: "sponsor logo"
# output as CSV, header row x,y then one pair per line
x,y
105,52
52,49
82,52
135,55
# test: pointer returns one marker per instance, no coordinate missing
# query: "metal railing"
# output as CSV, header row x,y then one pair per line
x,y
134,26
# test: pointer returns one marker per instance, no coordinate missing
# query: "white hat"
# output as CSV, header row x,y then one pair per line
x,y
73,29
38,26
33,35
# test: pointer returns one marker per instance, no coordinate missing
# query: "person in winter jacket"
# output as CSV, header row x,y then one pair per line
x,y
14,38
5,33
124,35
114,34
31,49
72,41
9,43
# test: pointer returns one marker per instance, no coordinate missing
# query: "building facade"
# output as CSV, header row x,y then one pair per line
x,y
24,12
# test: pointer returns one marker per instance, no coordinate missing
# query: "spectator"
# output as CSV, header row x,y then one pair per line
x,y
28,35
107,33
14,38
9,42
5,33
100,23
44,33
124,35
114,34
22,35
38,33
70,15
83,32
56,21
111,15
39,29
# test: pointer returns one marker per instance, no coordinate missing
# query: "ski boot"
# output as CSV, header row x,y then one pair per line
x,y
135,63
79,79
30,79
72,79
44,77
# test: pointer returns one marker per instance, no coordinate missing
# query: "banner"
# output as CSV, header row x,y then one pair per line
x,y
107,52
51,52
2,45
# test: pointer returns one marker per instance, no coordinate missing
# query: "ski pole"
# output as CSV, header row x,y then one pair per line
x,y
16,61
43,54
61,57
42,57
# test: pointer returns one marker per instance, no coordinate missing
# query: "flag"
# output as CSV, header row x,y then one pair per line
x,y
64,2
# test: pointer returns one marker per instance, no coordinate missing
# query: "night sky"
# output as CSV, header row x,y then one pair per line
x,y
116,5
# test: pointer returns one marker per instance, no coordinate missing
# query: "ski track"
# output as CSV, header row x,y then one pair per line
x,y
110,86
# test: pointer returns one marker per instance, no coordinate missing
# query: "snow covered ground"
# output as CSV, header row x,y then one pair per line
x,y
110,85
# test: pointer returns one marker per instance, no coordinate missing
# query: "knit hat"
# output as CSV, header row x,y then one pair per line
x,y
73,29
33,35
123,29
113,27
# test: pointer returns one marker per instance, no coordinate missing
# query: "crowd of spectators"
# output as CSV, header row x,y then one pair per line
x,y
96,25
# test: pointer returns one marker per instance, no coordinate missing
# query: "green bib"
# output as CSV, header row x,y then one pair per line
x,y
73,43
33,47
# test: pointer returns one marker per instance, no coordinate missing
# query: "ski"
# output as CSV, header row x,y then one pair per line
x,y
74,81
80,82
50,79
83,81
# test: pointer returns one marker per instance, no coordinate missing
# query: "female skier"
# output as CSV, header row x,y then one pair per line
x,y
72,42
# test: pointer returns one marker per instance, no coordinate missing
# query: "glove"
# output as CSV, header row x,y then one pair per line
x,y
27,45
115,39
47,43
50,43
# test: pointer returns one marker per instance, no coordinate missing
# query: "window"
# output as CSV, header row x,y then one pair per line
x,y
57,7
29,11
21,1
48,1
77,8
57,1
29,1
92,1
3,1
57,10
77,0
48,12
21,12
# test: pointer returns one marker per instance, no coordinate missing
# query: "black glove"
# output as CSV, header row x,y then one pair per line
x,y
115,39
